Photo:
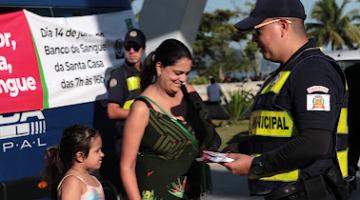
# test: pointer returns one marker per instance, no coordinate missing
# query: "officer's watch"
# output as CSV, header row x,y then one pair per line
x,y
257,167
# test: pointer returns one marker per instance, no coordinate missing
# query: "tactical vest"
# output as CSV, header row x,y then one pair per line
x,y
275,126
132,82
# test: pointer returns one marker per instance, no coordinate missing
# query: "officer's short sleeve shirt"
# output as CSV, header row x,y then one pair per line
x,y
117,91
315,92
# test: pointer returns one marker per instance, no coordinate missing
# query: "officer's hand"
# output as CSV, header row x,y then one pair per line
x,y
241,165
352,177
353,183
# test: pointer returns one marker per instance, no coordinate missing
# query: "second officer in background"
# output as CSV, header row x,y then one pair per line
x,y
124,84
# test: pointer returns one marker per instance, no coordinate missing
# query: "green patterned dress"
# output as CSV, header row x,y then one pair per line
x,y
164,159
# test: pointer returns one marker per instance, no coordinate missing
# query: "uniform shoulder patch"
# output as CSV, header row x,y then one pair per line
x,y
317,88
318,102
113,82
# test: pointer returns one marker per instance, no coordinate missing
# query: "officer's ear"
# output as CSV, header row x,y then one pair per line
x,y
284,25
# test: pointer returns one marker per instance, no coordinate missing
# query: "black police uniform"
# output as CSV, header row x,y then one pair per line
x,y
294,122
121,92
118,92
352,76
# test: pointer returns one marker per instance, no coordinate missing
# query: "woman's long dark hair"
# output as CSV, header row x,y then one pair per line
x,y
168,53
60,158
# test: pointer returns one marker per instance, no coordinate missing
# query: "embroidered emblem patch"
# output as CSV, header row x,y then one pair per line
x,y
318,102
113,82
317,88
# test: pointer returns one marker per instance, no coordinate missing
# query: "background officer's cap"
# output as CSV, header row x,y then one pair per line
x,y
269,9
135,35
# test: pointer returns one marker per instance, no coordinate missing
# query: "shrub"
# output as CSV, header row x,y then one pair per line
x,y
239,102
199,80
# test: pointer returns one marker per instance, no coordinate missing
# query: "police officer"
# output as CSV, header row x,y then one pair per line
x,y
123,87
299,114
352,76
124,84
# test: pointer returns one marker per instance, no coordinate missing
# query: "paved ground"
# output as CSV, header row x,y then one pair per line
x,y
228,186
231,187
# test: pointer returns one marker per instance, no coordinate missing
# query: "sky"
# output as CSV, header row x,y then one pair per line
x,y
216,4
212,5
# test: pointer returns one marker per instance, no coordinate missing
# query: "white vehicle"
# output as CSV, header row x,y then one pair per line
x,y
346,58
349,60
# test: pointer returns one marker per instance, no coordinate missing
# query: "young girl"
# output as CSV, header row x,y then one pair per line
x,y
68,165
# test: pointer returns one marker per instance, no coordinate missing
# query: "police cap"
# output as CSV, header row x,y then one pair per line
x,y
269,9
135,35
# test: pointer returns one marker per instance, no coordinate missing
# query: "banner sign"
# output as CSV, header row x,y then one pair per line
x,y
48,62
20,84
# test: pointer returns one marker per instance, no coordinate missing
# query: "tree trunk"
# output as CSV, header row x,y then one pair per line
x,y
221,73
257,67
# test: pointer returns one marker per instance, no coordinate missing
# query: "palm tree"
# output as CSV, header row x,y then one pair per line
x,y
333,26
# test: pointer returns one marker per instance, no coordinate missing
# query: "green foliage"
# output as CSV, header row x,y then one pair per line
x,y
239,102
230,133
333,26
249,59
199,80
213,54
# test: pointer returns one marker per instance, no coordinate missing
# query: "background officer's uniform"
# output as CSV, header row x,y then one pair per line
x,y
124,87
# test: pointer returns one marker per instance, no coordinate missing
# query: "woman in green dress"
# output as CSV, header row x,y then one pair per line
x,y
166,131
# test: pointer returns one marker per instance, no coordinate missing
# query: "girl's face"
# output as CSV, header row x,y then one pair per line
x,y
171,77
94,158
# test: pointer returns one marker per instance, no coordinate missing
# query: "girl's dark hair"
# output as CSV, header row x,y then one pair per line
x,y
60,158
168,53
